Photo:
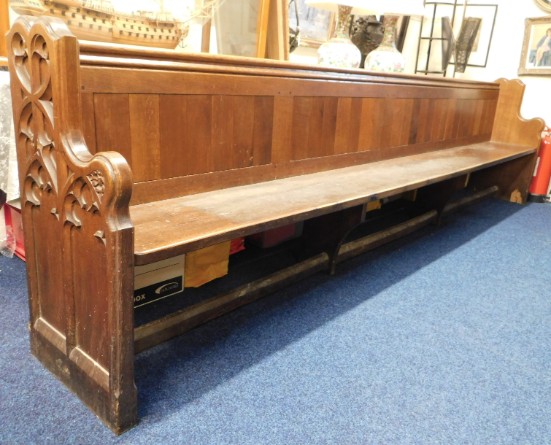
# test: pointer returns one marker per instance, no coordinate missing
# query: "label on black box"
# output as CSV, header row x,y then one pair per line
x,y
157,291
158,280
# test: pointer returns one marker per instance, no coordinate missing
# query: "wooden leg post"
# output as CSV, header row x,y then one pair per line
x,y
435,197
512,178
326,233
78,235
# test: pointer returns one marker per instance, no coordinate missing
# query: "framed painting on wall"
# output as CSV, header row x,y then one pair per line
x,y
544,4
535,57
316,25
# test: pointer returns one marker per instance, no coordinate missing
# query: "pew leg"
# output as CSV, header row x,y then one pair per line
x,y
326,233
437,196
513,178
77,230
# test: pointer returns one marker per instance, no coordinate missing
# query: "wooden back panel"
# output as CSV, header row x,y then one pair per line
x,y
187,126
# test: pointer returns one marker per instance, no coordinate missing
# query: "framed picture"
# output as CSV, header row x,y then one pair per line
x,y
544,4
536,49
483,39
466,42
485,15
316,25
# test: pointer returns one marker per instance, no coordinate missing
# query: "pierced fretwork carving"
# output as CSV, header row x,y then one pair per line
x,y
78,186
32,68
98,182
81,196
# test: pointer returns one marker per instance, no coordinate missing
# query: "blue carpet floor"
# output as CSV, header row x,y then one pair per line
x,y
443,338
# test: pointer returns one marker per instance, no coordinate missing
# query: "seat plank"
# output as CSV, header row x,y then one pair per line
x,y
178,225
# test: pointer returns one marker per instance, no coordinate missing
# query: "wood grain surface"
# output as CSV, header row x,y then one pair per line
x,y
184,132
174,226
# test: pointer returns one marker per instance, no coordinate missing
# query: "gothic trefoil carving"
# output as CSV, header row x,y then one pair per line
x,y
77,186
32,68
81,196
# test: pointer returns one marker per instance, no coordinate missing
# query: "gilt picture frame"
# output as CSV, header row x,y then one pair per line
x,y
544,5
535,58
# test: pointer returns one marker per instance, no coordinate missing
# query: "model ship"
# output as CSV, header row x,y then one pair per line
x,y
97,20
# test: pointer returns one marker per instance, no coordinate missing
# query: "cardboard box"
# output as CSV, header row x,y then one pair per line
x,y
159,280
206,264
373,205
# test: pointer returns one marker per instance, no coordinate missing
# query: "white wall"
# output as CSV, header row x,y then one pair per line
x,y
504,56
